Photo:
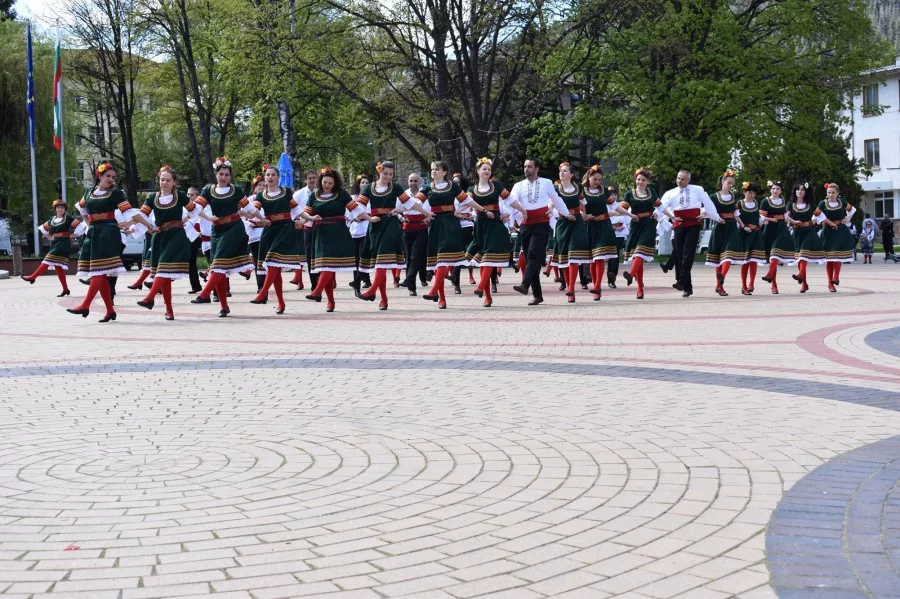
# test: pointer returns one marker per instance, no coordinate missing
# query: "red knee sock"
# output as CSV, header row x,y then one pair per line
x,y
222,291
801,270
212,283
377,281
484,280
829,271
836,271
278,284
725,268
93,288
106,294
745,268
271,271
520,262
752,266
573,276
141,279
41,269
637,271
439,275
600,266
167,294
382,288
61,275
328,285
154,289
298,276
773,264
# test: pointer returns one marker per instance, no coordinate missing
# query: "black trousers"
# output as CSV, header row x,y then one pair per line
x,y
685,246
254,251
415,245
193,273
534,245
612,266
114,280
888,243
307,243
357,251
468,234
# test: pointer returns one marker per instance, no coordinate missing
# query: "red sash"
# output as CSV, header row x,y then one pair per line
x,y
689,217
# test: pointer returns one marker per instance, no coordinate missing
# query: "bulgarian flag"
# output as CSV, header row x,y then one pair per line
x,y
57,96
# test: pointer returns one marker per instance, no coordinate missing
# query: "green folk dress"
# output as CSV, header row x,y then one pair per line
x,y
228,243
170,250
807,243
445,238
572,239
601,234
101,252
641,241
490,246
383,246
332,245
278,242
777,235
61,231
721,232
743,246
837,243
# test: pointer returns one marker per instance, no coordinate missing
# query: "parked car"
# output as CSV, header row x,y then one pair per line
x,y
133,252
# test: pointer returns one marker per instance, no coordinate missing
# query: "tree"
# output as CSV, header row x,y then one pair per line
x,y
115,46
6,10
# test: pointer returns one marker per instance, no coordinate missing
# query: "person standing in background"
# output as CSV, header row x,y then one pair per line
x,y
887,235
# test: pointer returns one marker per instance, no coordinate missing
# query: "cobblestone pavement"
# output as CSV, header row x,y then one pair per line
x,y
648,449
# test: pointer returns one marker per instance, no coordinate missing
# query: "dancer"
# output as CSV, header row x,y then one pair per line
x,y
747,247
331,244
776,235
531,197
467,221
621,223
278,247
682,204
837,241
254,232
415,238
229,238
169,244
725,203
304,234
383,247
358,229
489,248
60,229
642,202
807,243
600,203
572,241
445,237
196,248
101,253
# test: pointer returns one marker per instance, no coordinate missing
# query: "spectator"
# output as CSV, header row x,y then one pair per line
x,y
887,235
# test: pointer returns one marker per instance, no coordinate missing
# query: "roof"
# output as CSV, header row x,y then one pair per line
x,y
891,69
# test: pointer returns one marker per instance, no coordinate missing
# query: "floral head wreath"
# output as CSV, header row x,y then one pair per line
x,y
58,202
565,164
325,171
104,167
456,176
481,161
221,162
163,169
642,169
266,167
595,169
774,184
378,167
746,185
729,173
256,180
362,176
827,185
806,185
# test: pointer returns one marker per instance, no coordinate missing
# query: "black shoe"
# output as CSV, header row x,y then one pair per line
x,y
84,281
679,286
457,290
687,294
663,267
478,293
403,284
522,289
766,279
24,278
315,298
357,292
612,285
108,317
224,313
629,278
584,286
195,291
836,282
493,287
366,284
262,301
84,313
423,283
369,297
412,293
170,317
396,283
536,301
430,297
148,284
201,300
145,304
797,278
562,286
66,292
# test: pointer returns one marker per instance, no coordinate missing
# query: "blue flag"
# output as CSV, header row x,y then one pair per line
x,y
286,169
29,100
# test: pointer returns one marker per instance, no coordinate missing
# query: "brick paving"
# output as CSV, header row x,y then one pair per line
x,y
613,448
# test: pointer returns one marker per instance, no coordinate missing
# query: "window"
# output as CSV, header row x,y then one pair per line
x,y
884,204
870,100
873,153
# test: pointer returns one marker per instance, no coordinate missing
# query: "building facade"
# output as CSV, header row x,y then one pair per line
x,y
875,138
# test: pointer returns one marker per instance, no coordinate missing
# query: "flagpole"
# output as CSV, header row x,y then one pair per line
x,y
34,195
62,137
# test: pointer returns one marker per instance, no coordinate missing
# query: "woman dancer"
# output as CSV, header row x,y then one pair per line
x,y
725,203
445,238
776,235
837,240
572,243
331,242
807,244
358,229
254,232
101,253
747,247
383,247
169,245
641,243
229,238
489,248
60,229
278,245
599,203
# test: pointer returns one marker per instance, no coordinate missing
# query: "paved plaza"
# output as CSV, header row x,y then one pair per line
x,y
701,448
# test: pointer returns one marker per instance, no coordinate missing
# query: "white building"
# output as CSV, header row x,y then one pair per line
x,y
875,137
